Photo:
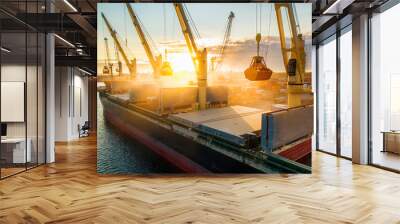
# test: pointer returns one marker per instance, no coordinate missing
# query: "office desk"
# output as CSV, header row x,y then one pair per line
x,y
391,141
13,150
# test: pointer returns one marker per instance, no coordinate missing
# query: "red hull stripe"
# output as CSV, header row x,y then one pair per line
x,y
169,154
298,151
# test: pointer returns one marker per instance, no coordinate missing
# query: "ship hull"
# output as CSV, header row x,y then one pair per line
x,y
180,151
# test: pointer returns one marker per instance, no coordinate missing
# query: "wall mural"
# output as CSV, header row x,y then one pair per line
x,y
204,88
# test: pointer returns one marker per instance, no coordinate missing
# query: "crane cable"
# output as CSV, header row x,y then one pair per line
x,y
191,21
297,18
104,32
152,44
290,27
268,33
125,27
259,20
259,14
256,18
165,22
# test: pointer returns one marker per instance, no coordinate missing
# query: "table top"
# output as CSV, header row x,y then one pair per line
x,y
13,140
391,132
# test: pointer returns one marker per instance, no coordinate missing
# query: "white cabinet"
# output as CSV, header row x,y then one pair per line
x,y
17,146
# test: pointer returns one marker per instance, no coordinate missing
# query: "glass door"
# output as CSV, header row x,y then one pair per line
x,y
346,93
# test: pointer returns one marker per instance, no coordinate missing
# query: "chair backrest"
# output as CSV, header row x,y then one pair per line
x,y
86,125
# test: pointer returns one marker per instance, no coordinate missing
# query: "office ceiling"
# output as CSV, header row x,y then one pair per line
x,y
76,22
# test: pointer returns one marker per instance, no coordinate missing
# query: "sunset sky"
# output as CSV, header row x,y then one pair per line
x,y
161,23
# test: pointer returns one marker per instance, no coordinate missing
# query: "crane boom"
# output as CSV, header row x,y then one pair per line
x,y
226,38
199,58
187,33
142,37
131,66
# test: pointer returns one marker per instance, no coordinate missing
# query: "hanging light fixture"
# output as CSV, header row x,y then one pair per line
x,y
70,5
5,50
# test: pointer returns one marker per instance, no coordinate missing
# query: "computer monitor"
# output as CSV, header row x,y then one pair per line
x,y
3,129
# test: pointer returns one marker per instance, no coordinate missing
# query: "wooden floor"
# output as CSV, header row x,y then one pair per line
x,y
70,191
387,159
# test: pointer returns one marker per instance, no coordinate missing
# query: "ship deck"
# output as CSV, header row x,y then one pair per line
x,y
233,131
231,123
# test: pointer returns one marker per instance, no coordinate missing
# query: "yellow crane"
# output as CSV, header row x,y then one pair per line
x,y
293,58
118,69
159,68
216,62
130,63
108,67
199,57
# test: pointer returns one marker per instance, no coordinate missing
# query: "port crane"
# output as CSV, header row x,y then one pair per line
x,y
118,69
159,67
215,63
108,67
199,57
293,57
130,63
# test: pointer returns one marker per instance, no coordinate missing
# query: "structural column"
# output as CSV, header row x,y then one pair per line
x,y
50,99
50,92
360,89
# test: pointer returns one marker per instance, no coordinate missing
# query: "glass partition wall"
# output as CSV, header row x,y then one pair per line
x,y
385,90
345,97
334,93
22,77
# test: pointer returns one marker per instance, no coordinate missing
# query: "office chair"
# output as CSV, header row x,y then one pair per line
x,y
84,130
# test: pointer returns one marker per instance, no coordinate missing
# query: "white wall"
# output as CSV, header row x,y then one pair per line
x,y
33,126
61,103
71,102
16,73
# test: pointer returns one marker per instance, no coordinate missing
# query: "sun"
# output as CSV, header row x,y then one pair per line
x,y
181,62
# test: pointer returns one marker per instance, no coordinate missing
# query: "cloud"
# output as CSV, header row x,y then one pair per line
x,y
239,52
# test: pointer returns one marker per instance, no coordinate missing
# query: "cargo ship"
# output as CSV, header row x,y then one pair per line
x,y
220,139
203,127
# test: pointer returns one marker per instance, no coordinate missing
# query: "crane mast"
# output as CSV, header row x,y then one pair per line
x,y
199,58
293,57
119,64
108,61
131,65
